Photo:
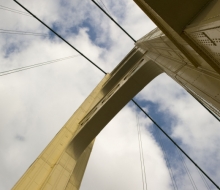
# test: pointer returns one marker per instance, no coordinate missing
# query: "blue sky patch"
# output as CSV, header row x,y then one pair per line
x,y
20,138
10,49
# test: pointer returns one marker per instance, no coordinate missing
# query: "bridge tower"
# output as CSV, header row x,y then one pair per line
x,y
186,46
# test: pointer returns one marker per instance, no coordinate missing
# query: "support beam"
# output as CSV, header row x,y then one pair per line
x,y
186,47
62,164
184,22
177,14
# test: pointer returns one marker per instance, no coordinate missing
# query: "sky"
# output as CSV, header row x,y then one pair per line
x,y
36,103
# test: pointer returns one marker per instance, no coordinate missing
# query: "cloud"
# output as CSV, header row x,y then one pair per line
x,y
193,127
36,103
116,153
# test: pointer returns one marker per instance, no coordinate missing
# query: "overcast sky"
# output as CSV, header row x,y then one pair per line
x,y
36,103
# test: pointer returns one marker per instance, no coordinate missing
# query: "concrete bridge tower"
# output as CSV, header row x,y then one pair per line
x,y
186,46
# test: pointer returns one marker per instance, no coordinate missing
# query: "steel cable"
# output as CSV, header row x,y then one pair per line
x,y
3,31
60,37
144,177
187,171
114,21
204,180
174,142
34,65
167,161
14,10
104,7
142,174
132,99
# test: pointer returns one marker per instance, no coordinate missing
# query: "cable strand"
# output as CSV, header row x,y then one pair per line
x,y
174,143
105,7
187,171
3,73
145,177
106,73
141,159
3,31
114,21
167,161
60,37
13,10
203,179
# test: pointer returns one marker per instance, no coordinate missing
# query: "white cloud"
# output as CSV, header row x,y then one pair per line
x,y
115,161
194,127
35,104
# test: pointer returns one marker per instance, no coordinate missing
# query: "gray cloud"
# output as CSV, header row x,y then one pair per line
x,y
20,138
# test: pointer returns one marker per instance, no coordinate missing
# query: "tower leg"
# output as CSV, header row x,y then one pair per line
x,y
57,167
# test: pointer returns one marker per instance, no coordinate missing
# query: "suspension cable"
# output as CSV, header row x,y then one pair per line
x,y
132,99
187,171
135,42
113,20
204,180
174,142
167,161
3,31
105,7
60,37
143,172
34,65
13,10
145,177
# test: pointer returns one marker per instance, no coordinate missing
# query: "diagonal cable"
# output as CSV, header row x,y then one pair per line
x,y
3,31
167,160
13,10
155,123
132,99
187,171
140,154
135,42
204,180
113,20
144,177
144,172
105,7
3,73
60,37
